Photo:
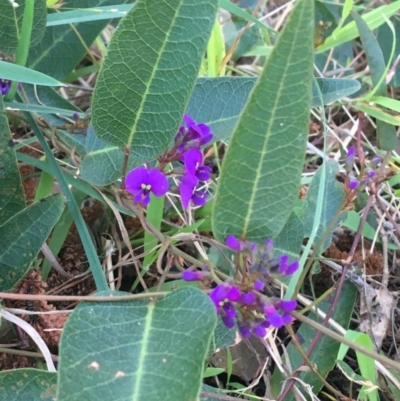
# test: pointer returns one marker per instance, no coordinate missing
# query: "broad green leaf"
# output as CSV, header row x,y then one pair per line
x,y
207,391
326,351
12,197
373,19
138,350
140,108
11,22
88,15
387,137
23,235
222,338
260,176
290,239
62,47
28,384
333,202
217,102
22,74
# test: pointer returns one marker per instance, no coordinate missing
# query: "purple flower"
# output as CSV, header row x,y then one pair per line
x,y
193,136
141,181
192,275
5,85
353,183
375,161
247,298
287,306
193,160
287,319
258,285
224,293
232,242
350,159
244,331
260,331
285,268
189,193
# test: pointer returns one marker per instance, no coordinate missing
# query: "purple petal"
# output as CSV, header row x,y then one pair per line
x,y
229,310
188,120
199,198
276,320
219,293
139,197
287,306
266,324
260,331
204,173
353,184
259,285
158,181
229,321
248,298
244,331
292,268
351,152
135,178
190,275
232,242
193,158
186,188
233,294
287,319
206,136
146,199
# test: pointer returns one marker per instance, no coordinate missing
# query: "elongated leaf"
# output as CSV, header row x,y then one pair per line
x,y
326,351
140,108
22,74
62,47
88,15
386,133
217,102
333,199
11,22
260,177
23,235
138,350
12,198
374,19
27,384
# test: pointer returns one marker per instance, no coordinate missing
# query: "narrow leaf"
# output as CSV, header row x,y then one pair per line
x,y
148,74
138,350
387,137
22,74
261,172
22,237
12,197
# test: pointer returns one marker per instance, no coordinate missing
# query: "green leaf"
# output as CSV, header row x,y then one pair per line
x,y
11,22
217,102
62,47
22,74
138,350
23,235
88,15
326,351
373,19
12,197
140,109
28,384
387,137
332,204
261,173
290,238
385,40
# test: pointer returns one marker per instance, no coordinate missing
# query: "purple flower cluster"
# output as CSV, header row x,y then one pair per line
x,y
242,302
141,181
5,85
367,175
